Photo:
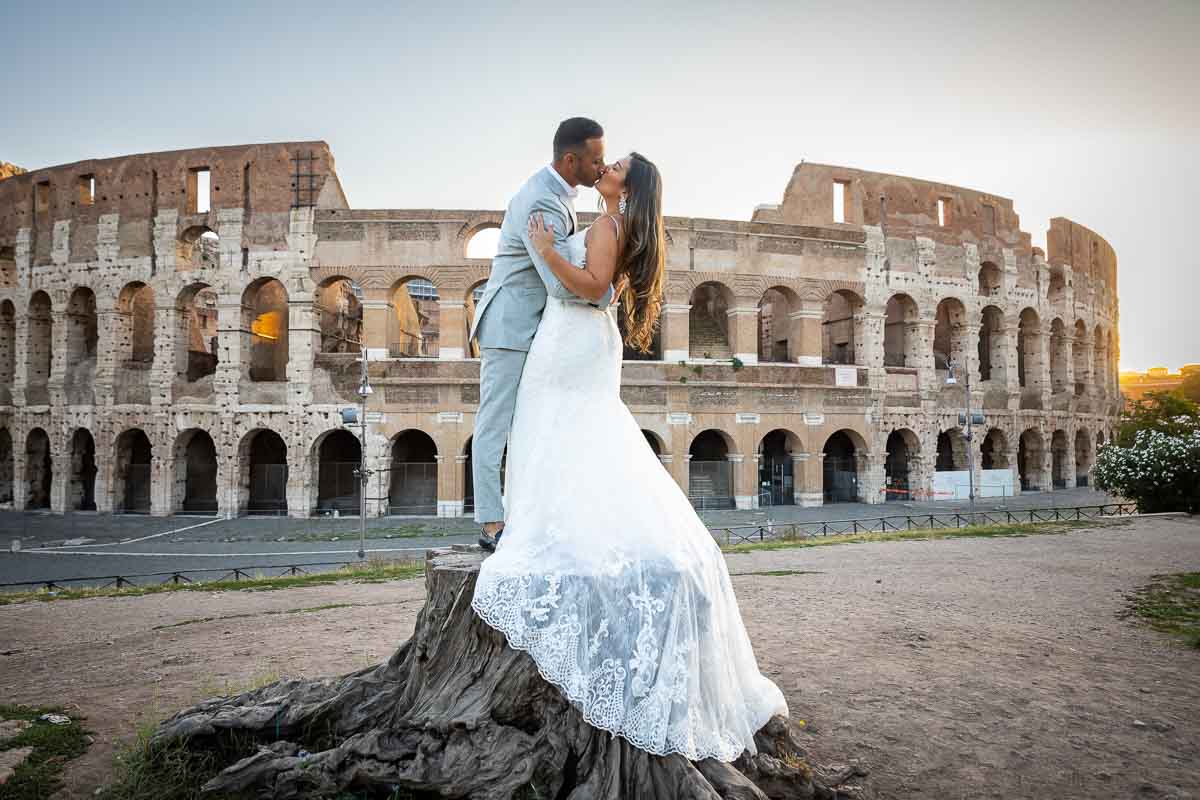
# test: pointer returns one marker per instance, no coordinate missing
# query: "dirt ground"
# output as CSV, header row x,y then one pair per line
x,y
970,668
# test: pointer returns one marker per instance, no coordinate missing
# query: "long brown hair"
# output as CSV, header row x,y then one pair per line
x,y
643,259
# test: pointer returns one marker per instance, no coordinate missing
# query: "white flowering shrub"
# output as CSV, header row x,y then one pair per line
x,y
1159,470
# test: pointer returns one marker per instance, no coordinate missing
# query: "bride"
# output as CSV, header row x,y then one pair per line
x,y
605,575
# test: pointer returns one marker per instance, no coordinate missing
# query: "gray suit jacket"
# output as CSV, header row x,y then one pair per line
x,y
510,309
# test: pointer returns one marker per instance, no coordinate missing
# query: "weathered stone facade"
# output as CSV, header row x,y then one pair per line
x,y
178,332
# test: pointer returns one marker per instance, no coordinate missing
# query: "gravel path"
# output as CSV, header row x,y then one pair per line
x,y
969,668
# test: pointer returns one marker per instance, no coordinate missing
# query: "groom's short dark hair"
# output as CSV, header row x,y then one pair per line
x,y
573,133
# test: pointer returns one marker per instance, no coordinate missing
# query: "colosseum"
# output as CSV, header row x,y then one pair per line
x,y
179,332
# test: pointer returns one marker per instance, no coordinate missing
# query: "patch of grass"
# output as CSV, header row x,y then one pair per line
x,y
1171,604
409,531
150,772
932,534
40,775
373,571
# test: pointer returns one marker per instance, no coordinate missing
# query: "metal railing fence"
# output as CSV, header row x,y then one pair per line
x,y
727,535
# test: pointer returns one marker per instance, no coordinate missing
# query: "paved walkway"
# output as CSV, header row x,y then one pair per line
x,y
100,546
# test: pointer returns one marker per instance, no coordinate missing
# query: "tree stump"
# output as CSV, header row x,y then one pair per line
x,y
457,713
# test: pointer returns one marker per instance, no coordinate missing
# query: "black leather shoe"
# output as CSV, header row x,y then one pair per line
x,y
489,543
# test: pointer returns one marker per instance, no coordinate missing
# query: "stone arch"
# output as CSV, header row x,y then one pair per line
x,y
901,336
133,339
198,247
265,331
483,242
39,470
196,332
1060,451
133,457
196,471
8,466
903,457
710,472
776,466
414,324
338,310
778,332
654,441
842,338
950,335
81,480
263,473
8,350
1029,351
336,458
413,475
843,451
1059,356
990,280
38,347
1085,458
993,450
1080,360
1030,461
708,321
82,341
951,451
993,359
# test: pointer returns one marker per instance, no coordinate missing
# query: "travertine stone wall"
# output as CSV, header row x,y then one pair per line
x,y
163,352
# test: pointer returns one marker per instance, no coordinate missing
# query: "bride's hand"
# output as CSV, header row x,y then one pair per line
x,y
541,233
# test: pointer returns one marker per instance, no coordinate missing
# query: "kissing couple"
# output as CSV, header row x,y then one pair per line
x,y
601,570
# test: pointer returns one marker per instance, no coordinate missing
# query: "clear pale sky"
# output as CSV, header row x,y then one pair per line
x,y
1089,110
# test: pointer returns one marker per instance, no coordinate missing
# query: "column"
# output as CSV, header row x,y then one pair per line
x,y
743,333
60,475
304,338
809,475
162,477
449,488
104,470
1012,374
230,345
163,370
58,358
20,484
674,332
452,330
870,478
377,312
20,358
743,473
301,494
805,340
919,354
683,474
458,495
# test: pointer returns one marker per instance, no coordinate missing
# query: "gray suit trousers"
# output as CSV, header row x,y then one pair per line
x,y
499,376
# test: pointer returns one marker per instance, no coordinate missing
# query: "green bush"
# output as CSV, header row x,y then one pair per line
x,y
1154,460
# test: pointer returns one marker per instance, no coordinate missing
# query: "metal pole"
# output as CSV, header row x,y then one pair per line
x,y
970,443
362,459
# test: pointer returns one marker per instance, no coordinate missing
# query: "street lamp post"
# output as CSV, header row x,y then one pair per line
x,y
968,419
364,474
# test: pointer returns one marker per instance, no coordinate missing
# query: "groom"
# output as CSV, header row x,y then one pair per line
x,y
508,314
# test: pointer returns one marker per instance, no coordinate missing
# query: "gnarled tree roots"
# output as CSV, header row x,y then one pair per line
x,y
457,713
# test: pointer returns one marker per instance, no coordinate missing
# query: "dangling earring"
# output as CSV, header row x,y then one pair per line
x,y
621,204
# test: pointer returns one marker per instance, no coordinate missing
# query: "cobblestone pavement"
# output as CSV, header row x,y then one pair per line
x,y
57,547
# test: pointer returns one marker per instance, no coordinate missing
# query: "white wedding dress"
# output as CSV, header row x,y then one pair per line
x,y
604,574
